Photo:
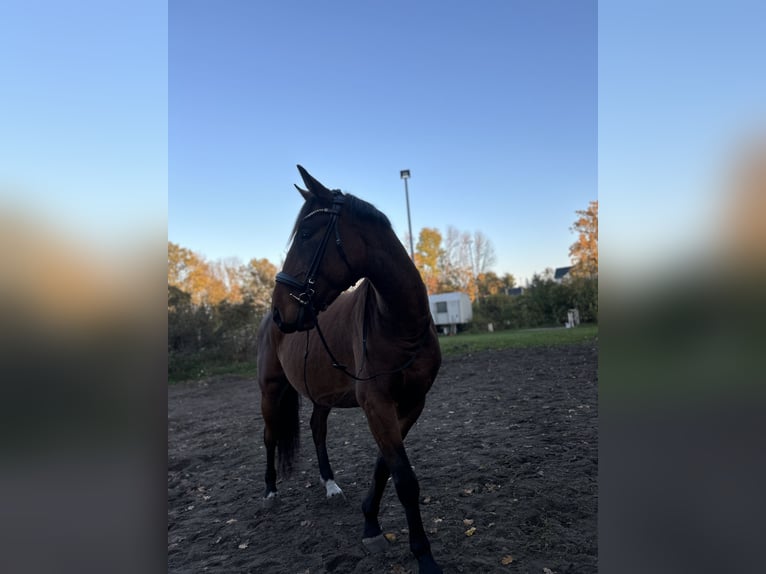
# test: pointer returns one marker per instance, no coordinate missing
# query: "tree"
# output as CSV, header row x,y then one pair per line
x,y
546,300
190,273
584,251
259,278
482,253
214,309
583,295
453,262
231,273
428,253
490,284
456,273
181,261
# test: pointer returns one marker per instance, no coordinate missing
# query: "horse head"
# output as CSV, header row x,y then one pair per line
x,y
315,272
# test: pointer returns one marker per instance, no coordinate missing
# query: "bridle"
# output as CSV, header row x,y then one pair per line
x,y
305,297
306,290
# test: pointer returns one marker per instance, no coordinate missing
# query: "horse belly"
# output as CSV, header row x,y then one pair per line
x,y
327,387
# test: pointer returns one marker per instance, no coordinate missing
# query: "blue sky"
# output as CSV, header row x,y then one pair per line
x,y
83,116
492,106
118,118
681,87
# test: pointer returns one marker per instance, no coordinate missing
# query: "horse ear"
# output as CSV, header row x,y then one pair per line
x,y
306,194
314,186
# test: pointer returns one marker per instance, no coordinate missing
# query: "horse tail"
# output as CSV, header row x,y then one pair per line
x,y
288,432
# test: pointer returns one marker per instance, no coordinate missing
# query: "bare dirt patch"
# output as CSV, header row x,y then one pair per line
x,y
506,452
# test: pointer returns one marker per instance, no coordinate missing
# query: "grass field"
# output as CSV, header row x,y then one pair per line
x,y
451,346
471,342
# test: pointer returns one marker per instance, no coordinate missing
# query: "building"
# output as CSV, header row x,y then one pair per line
x,y
561,273
450,310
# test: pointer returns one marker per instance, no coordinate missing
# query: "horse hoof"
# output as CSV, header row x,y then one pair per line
x,y
333,490
270,501
427,565
375,544
337,500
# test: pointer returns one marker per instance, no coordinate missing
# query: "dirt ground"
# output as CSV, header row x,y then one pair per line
x,y
506,452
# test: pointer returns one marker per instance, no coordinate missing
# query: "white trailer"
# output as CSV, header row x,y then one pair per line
x,y
450,310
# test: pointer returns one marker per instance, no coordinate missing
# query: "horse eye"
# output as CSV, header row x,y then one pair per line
x,y
305,234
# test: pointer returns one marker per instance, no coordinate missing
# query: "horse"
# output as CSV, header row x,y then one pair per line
x,y
376,348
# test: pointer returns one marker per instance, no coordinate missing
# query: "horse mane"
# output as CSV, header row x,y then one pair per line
x,y
358,208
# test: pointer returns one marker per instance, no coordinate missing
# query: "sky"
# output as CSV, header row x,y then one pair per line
x,y
83,117
184,121
681,91
492,106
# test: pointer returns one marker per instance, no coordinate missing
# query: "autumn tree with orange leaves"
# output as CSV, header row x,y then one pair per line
x,y
584,251
193,275
214,309
428,254
453,262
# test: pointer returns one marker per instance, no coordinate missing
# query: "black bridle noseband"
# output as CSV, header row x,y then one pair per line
x,y
305,296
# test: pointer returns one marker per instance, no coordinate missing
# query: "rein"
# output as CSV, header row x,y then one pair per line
x,y
342,368
305,297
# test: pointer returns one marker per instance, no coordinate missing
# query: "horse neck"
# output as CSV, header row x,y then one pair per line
x,y
401,297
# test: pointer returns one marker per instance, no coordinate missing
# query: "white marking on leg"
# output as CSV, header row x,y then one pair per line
x,y
331,488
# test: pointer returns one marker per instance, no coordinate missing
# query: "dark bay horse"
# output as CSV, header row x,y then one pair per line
x,y
374,347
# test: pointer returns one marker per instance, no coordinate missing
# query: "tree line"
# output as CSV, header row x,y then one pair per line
x,y
215,307
546,301
458,261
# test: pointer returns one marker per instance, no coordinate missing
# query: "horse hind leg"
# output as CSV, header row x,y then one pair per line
x,y
270,494
279,407
319,433
268,408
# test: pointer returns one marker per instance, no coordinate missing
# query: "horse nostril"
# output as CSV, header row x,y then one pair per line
x,y
276,317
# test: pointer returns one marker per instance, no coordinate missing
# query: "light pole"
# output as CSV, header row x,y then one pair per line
x,y
405,175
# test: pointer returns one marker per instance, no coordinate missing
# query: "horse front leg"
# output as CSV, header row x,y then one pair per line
x,y
319,433
373,538
389,431
373,534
